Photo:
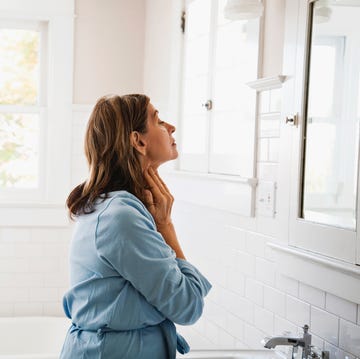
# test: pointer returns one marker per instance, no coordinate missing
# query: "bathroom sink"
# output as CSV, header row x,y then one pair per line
x,y
232,354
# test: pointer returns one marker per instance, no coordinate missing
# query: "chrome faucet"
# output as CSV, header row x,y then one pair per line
x,y
304,342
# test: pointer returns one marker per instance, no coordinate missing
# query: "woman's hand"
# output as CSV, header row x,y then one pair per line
x,y
158,198
159,201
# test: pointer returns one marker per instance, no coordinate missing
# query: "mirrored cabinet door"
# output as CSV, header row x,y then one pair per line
x,y
327,182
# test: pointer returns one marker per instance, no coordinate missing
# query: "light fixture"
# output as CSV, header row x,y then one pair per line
x,y
243,9
322,14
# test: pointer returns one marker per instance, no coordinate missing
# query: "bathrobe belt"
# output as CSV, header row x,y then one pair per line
x,y
181,344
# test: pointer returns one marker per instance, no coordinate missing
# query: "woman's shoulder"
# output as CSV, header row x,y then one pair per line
x,y
123,206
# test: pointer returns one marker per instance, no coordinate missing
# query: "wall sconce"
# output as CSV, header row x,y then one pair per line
x,y
322,14
243,9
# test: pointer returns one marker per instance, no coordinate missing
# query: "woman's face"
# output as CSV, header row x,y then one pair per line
x,y
159,144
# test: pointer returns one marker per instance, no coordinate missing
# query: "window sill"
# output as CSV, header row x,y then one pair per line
x,y
330,275
33,215
222,192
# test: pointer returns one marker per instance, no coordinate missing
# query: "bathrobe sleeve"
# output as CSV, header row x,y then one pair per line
x,y
127,240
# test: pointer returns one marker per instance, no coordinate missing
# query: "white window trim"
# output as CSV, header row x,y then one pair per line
x,y
60,19
203,162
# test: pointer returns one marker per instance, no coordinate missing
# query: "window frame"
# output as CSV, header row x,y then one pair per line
x,y
203,164
47,208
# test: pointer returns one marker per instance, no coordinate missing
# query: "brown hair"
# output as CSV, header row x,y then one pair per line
x,y
113,162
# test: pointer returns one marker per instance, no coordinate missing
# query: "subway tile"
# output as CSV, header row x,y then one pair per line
x,y
55,280
15,234
7,250
253,337
216,314
349,337
28,309
284,327
235,326
312,295
53,309
265,271
243,308
264,320
254,291
235,281
336,352
7,309
239,345
14,265
226,340
43,265
27,280
274,300
212,332
316,342
234,238
287,285
14,295
55,249
255,244
325,325
44,294
341,307
246,263
297,311
29,250
45,235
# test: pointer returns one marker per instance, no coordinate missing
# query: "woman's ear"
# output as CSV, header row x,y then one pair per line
x,y
137,141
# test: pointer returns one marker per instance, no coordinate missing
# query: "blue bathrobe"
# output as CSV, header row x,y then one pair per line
x,y
127,287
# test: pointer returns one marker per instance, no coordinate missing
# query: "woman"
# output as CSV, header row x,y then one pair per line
x,y
130,281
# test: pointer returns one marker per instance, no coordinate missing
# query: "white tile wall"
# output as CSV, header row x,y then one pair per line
x,y
275,301
341,307
297,311
349,337
312,295
325,324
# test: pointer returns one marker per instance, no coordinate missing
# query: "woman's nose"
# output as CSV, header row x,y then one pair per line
x,y
171,128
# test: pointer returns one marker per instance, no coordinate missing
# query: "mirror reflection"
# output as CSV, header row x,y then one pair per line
x,y
332,115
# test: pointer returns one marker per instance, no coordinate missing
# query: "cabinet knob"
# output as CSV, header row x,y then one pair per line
x,y
292,120
208,105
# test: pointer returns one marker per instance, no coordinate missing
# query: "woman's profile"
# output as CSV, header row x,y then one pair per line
x,y
129,279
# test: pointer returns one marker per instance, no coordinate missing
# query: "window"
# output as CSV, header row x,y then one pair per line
x,y
36,82
22,104
219,110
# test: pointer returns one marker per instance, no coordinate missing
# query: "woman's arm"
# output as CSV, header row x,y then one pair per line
x,y
159,202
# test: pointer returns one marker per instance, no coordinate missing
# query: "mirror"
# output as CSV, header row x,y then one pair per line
x,y
332,114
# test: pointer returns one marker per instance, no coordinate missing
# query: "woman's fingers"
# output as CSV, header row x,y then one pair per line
x,y
161,181
154,188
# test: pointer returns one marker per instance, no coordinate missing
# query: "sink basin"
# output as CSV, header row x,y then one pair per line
x,y
232,354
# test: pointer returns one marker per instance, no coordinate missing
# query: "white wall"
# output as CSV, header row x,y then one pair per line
x,y
109,48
